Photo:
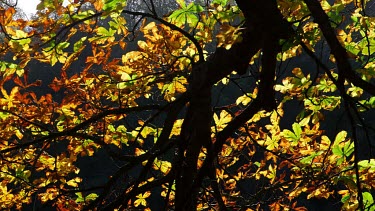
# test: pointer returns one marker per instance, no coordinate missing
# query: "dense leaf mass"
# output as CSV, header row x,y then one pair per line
x,y
187,105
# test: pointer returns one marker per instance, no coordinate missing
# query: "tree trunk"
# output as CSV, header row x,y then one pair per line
x,y
195,134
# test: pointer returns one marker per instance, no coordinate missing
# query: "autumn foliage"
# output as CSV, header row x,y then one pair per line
x,y
215,105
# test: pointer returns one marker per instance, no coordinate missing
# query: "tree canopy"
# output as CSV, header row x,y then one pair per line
x,y
187,105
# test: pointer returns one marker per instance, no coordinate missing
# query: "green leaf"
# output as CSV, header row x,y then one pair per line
x,y
79,44
191,19
295,135
363,164
104,32
308,160
290,136
147,131
348,148
221,2
194,8
340,160
187,15
110,5
83,15
79,197
297,130
345,198
271,143
342,151
3,115
121,128
353,48
4,67
111,128
53,60
87,142
178,16
181,3
336,150
340,137
63,45
91,197
368,201
125,77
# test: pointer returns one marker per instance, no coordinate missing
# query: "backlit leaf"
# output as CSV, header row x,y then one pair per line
x,y
222,120
141,199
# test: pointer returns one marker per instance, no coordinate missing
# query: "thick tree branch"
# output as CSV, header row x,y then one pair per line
x,y
267,75
195,133
256,36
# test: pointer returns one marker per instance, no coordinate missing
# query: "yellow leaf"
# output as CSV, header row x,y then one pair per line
x,y
225,81
274,118
74,182
179,84
20,34
143,45
244,100
19,134
271,143
142,199
176,86
9,99
139,151
223,120
163,166
305,121
341,36
98,5
340,137
147,131
325,5
324,143
226,150
67,110
271,173
258,116
176,130
297,191
148,27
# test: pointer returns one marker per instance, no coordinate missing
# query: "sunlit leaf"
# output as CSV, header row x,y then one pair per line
x,y
271,143
222,120
9,100
141,199
110,5
74,182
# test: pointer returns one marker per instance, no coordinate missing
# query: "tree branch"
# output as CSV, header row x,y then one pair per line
x,y
82,125
341,56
